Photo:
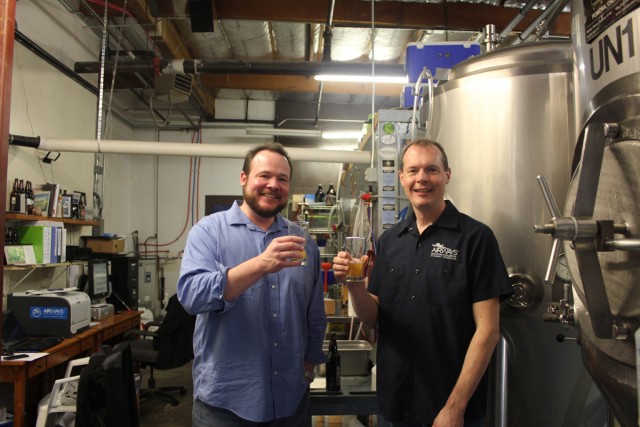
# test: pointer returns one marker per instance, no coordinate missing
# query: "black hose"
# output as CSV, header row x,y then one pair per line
x,y
24,141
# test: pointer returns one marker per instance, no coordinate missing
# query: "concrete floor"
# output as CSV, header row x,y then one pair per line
x,y
156,413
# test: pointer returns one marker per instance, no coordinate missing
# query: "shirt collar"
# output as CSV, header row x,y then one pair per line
x,y
447,219
237,217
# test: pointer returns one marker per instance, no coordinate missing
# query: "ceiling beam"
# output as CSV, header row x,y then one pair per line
x,y
290,83
390,14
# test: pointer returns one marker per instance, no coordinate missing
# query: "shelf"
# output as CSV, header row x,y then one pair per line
x,y
319,207
24,267
70,221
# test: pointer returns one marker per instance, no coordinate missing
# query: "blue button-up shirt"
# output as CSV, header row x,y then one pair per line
x,y
250,352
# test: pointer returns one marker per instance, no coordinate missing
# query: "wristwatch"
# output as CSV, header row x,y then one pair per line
x,y
310,375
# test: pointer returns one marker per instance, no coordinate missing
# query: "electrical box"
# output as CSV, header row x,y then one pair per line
x,y
149,294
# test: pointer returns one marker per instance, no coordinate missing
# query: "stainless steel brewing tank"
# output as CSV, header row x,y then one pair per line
x,y
606,42
505,117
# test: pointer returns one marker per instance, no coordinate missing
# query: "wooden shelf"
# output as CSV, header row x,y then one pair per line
x,y
70,221
24,267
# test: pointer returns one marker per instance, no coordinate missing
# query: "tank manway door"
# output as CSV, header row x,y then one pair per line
x,y
589,237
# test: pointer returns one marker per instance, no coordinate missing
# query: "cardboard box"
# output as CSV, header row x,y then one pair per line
x,y
104,245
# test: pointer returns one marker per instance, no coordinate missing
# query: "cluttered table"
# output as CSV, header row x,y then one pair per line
x,y
87,342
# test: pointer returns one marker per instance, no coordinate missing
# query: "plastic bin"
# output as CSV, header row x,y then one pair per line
x,y
437,55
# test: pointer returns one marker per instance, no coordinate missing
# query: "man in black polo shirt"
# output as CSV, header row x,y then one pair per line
x,y
434,293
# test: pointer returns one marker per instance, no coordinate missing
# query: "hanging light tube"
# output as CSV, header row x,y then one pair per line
x,y
362,78
302,133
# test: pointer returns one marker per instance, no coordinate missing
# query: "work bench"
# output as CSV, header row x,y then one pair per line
x,y
87,342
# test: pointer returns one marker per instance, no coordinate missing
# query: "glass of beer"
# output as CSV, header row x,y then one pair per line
x,y
355,247
300,229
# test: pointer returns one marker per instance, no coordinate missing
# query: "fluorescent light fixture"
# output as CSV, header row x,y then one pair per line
x,y
362,79
303,133
349,134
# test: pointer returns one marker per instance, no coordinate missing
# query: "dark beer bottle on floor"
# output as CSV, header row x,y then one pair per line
x,y
333,366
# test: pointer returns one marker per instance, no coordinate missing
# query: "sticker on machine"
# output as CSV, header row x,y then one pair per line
x,y
60,313
388,139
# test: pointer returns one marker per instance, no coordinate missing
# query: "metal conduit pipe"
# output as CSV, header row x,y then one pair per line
x,y
527,7
549,13
501,416
326,55
236,151
200,66
553,14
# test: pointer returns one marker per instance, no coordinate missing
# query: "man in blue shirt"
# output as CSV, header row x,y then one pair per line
x,y
434,294
260,313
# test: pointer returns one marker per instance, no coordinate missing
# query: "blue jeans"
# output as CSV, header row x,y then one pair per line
x,y
476,423
204,415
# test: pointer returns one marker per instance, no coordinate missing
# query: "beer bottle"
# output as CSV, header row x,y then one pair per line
x,y
29,198
330,198
14,201
319,194
22,200
333,366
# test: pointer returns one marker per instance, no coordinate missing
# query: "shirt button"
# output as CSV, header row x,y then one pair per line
x,y
275,372
273,286
275,315
412,297
417,270
419,245
275,344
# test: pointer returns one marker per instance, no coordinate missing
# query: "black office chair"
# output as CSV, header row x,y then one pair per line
x,y
106,394
167,347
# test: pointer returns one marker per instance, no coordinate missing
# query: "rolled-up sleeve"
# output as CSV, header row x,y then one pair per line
x,y
202,276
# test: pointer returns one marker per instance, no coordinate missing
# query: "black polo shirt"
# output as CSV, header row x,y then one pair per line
x,y
426,286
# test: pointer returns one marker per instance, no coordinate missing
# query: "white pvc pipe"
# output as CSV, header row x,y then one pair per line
x,y
236,151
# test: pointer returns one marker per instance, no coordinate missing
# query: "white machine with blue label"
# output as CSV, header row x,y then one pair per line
x,y
51,313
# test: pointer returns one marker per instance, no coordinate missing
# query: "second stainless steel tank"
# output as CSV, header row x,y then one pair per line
x,y
504,118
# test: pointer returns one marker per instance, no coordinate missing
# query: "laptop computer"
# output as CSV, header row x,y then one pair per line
x,y
14,338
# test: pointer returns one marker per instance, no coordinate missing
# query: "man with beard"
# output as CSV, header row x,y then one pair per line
x,y
260,313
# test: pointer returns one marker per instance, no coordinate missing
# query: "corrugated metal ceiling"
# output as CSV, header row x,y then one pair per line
x,y
280,30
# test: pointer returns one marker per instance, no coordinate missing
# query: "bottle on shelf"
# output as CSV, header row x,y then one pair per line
x,y
10,236
82,205
319,194
14,203
29,198
15,240
22,202
333,365
330,198
74,207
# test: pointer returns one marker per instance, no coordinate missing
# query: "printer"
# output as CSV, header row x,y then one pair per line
x,y
59,313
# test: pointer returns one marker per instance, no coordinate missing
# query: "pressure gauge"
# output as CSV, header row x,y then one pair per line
x,y
562,269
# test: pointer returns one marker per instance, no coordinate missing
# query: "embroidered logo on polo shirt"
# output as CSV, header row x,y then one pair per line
x,y
441,251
